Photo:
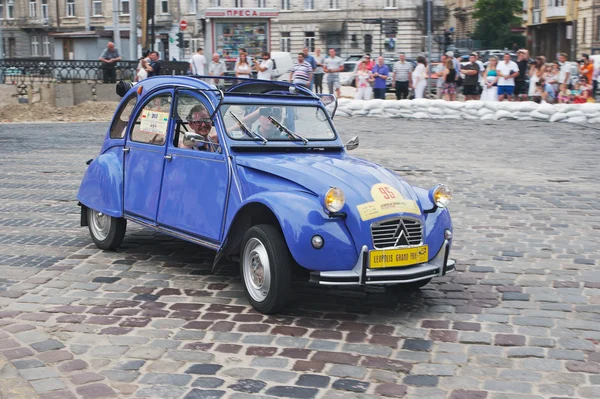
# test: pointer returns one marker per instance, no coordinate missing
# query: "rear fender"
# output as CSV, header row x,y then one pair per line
x,y
300,216
102,186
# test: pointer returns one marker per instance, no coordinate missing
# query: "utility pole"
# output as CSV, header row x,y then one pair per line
x,y
86,12
429,4
133,37
115,18
1,44
144,13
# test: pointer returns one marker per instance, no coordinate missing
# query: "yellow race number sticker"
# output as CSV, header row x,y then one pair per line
x,y
386,201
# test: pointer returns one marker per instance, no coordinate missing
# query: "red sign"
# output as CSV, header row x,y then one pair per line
x,y
183,24
241,12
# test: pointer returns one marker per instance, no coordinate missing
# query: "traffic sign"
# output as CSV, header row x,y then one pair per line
x,y
183,24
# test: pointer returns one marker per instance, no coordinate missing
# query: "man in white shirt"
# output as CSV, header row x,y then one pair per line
x,y
197,63
507,71
216,68
564,76
265,68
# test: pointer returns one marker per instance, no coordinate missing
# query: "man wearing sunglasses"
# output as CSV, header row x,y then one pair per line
x,y
199,120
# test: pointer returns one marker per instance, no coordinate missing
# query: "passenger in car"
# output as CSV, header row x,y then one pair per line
x,y
265,127
200,122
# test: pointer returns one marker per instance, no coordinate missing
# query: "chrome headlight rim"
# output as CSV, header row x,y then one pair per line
x,y
445,193
334,200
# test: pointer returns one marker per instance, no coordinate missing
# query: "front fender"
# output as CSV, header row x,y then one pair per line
x,y
301,216
102,186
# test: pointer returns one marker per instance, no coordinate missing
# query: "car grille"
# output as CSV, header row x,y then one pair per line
x,y
398,232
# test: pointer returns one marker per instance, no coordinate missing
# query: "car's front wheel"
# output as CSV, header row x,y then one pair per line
x,y
107,232
265,268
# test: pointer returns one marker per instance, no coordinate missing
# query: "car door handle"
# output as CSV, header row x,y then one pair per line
x,y
169,157
126,150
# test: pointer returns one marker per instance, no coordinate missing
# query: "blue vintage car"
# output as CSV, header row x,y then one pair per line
x,y
259,172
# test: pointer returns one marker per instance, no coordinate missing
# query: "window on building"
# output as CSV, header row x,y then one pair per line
x,y
239,3
70,8
583,38
33,9
1,9
124,7
598,27
309,4
285,4
285,42
390,3
35,46
368,43
46,46
97,8
192,6
334,4
164,6
10,10
45,11
216,3
536,4
309,40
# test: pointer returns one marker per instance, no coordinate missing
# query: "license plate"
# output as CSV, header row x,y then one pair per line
x,y
383,258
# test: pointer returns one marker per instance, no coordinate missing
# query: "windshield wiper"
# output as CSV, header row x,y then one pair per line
x,y
248,131
287,131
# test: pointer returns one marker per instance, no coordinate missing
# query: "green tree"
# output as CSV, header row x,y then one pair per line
x,y
494,19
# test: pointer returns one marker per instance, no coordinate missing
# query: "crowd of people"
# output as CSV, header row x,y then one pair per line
x,y
497,80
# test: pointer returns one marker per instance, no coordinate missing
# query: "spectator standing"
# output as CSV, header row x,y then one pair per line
x,y
363,82
402,77
217,67
109,58
301,71
380,74
507,71
154,66
536,72
198,63
587,68
439,70
490,79
471,71
242,67
419,77
480,82
265,68
141,70
455,61
370,61
311,60
318,72
333,66
449,77
521,88
564,76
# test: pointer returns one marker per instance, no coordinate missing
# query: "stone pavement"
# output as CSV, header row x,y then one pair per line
x,y
520,320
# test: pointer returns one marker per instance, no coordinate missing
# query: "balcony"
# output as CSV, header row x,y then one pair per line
x,y
556,12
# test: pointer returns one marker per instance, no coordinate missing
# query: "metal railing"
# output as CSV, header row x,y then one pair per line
x,y
34,70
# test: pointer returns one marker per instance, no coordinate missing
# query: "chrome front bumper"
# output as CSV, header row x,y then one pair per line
x,y
361,274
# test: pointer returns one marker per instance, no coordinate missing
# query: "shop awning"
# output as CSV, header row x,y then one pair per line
x,y
331,26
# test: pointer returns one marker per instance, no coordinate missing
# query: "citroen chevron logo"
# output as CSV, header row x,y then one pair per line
x,y
401,235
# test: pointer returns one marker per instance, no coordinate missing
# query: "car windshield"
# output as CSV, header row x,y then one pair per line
x,y
276,123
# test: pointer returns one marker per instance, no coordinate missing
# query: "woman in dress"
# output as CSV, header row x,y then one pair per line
x,y
419,77
242,68
449,85
363,82
536,72
490,81
318,72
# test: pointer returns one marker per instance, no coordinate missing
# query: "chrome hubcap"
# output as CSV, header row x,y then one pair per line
x,y
99,223
256,268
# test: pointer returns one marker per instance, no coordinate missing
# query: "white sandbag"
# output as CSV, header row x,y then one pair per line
x,y
566,108
539,115
509,106
343,101
356,105
525,118
594,121
470,117
491,105
374,104
342,114
360,112
472,112
502,114
404,104
557,117
592,115
576,119
455,105
488,117
485,111
421,115
547,109
452,116
344,109
421,102
475,104
391,111
589,108
575,114
436,110
437,103
527,106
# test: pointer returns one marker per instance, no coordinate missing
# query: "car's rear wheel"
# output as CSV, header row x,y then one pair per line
x,y
265,268
410,287
107,232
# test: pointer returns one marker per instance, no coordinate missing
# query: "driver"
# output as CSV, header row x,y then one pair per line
x,y
200,122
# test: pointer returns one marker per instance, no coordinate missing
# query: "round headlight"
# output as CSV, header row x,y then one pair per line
x,y
442,196
334,199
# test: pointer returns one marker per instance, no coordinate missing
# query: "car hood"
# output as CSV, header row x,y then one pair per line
x,y
316,173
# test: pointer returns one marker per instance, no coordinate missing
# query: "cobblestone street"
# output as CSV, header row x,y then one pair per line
x,y
519,320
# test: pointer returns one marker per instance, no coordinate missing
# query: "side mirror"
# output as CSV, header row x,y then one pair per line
x,y
352,144
194,140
